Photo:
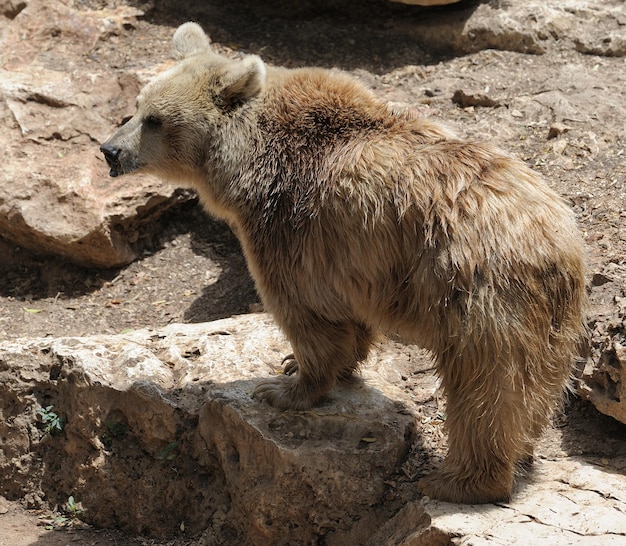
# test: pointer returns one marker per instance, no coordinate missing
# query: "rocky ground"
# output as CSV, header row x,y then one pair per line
x,y
544,80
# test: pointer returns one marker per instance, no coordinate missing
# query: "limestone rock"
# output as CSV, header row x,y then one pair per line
x,y
466,98
604,382
612,45
55,193
572,502
594,27
171,412
160,433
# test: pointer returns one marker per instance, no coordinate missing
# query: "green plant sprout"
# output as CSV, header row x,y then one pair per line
x,y
72,508
52,423
168,453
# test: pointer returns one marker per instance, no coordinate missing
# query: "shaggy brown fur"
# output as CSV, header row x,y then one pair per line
x,y
355,217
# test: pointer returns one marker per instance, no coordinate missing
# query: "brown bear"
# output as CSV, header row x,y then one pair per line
x,y
356,217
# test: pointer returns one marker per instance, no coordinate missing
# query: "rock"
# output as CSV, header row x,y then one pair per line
x,y
486,26
612,45
598,279
528,27
604,384
55,193
604,380
170,412
572,502
472,98
11,8
160,436
558,129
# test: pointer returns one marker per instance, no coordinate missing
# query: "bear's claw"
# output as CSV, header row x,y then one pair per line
x,y
290,364
281,392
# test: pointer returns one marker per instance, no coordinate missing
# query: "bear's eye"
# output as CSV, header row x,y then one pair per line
x,y
153,121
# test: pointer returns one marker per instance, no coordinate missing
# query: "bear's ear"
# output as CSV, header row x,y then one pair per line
x,y
244,80
189,39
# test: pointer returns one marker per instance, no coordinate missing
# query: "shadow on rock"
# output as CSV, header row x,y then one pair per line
x,y
594,437
367,34
25,274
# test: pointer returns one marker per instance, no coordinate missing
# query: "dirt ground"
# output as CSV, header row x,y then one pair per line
x,y
194,272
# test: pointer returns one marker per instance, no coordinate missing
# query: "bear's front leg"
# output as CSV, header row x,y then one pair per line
x,y
324,351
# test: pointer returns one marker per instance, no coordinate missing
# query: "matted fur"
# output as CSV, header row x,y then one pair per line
x,y
356,217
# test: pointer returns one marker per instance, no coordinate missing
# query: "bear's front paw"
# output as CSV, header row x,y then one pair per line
x,y
282,392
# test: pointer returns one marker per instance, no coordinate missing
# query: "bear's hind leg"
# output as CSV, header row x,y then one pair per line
x,y
489,423
478,467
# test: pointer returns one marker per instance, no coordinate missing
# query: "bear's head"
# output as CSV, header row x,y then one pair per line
x,y
181,113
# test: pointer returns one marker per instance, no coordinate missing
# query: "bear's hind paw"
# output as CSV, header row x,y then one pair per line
x,y
448,488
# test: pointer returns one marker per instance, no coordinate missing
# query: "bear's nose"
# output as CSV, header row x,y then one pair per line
x,y
110,152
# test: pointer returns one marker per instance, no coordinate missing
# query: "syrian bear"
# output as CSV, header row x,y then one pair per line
x,y
356,217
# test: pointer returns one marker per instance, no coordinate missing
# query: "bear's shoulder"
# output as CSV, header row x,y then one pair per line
x,y
322,100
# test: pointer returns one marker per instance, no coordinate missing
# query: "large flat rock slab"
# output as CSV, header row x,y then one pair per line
x,y
570,503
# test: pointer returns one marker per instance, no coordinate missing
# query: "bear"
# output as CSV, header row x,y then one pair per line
x,y
358,217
